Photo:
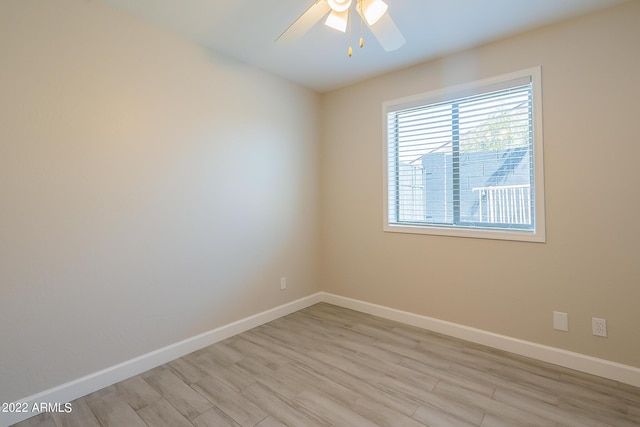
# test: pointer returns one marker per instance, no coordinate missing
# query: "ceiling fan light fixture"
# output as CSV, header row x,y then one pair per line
x,y
338,15
339,5
373,10
338,20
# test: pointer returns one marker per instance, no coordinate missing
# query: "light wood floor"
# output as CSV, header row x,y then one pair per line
x,y
328,366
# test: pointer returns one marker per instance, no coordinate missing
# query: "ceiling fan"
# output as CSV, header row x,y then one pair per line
x,y
372,12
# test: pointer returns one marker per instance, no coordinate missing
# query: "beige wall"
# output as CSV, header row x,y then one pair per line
x,y
148,191
589,264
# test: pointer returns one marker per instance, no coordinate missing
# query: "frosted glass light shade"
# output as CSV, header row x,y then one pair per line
x,y
338,20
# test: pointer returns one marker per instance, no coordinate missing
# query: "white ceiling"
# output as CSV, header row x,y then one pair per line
x,y
246,30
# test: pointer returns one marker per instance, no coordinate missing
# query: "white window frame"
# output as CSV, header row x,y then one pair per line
x,y
538,233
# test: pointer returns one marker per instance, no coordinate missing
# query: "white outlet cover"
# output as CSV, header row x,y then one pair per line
x,y
560,321
599,327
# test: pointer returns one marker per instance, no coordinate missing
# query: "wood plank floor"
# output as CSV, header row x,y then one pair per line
x,y
329,366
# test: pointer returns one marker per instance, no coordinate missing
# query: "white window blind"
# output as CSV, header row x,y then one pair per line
x,y
464,162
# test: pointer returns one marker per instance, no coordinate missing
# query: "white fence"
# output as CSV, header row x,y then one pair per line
x,y
508,204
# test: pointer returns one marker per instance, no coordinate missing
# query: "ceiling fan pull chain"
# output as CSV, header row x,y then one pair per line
x,y
350,51
361,25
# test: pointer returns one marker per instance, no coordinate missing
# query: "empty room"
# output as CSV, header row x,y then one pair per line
x,y
319,213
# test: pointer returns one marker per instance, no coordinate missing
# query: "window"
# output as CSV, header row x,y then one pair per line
x,y
467,161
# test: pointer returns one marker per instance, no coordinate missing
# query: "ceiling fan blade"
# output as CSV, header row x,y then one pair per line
x,y
304,23
387,33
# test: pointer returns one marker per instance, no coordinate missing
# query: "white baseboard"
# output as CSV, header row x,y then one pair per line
x,y
592,365
106,377
98,380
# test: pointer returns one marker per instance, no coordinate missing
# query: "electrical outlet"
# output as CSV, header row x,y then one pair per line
x,y
599,327
283,283
560,321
